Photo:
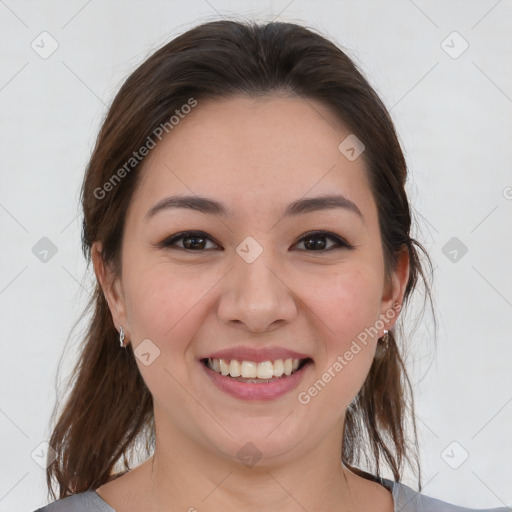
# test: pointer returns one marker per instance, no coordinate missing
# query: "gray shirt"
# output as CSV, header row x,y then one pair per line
x,y
405,499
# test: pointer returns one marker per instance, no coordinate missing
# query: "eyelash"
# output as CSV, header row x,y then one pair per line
x,y
171,241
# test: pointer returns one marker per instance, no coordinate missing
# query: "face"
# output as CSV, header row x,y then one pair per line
x,y
258,282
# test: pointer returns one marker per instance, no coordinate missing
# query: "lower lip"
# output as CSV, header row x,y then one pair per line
x,y
256,391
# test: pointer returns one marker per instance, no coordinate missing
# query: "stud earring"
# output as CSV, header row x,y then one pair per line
x,y
385,338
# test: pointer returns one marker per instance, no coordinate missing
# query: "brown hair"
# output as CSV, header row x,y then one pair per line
x,y
109,410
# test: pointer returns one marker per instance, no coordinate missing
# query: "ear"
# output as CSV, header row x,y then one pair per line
x,y
111,286
394,289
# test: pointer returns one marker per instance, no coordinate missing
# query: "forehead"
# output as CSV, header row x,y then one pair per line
x,y
253,154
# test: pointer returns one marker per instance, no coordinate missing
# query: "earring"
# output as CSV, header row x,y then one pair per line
x,y
121,338
385,339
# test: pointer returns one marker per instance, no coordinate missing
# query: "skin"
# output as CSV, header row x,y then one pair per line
x,y
257,156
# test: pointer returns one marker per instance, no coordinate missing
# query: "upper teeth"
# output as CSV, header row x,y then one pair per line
x,y
253,370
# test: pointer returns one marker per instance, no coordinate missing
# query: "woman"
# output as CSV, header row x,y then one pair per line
x,y
245,213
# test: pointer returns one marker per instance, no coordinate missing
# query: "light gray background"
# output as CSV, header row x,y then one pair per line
x,y
453,116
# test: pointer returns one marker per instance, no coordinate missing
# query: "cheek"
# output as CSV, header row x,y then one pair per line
x,y
165,306
347,306
347,302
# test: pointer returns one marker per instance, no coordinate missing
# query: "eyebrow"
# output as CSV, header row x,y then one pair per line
x,y
213,207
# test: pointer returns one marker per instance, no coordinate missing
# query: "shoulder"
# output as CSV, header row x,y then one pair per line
x,y
87,501
408,500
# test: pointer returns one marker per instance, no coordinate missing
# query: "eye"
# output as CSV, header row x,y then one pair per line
x,y
315,242
197,241
192,240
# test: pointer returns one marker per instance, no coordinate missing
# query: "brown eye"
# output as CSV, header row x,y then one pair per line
x,y
191,240
196,241
317,242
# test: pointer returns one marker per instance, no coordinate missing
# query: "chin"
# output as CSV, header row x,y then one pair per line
x,y
262,442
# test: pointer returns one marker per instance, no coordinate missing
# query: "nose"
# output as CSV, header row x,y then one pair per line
x,y
255,295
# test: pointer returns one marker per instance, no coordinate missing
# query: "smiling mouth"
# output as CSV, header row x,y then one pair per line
x,y
254,372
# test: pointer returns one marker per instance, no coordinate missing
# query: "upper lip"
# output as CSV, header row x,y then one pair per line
x,y
257,355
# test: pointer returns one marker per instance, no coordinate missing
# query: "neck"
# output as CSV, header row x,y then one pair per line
x,y
191,478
